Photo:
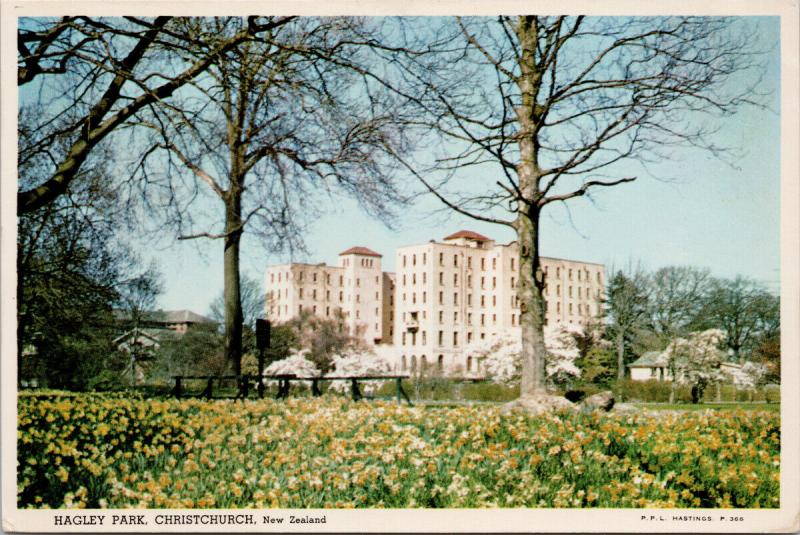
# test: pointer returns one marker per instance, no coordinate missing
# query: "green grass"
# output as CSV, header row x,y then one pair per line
x,y
772,407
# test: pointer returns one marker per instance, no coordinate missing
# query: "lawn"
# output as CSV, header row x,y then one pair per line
x,y
94,450
742,406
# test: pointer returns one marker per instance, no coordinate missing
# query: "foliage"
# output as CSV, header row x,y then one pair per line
x,y
598,366
252,297
197,352
626,308
323,338
118,452
768,352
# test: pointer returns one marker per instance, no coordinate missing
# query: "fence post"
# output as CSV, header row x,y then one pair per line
x,y
354,389
178,390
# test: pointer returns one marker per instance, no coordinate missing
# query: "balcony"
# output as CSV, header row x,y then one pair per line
x,y
412,325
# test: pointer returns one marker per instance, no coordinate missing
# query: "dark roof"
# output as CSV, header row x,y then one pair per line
x,y
467,234
651,359
165,316
363,251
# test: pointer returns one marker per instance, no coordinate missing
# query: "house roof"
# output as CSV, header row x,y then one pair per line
x,y
363,251
470,235
166,316
651,359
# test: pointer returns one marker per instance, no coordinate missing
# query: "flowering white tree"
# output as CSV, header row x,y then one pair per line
x,y
297,363
501,356
359,364
753,374
695,361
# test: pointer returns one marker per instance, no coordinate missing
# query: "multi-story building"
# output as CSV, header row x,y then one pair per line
x,y
357,289
461,290
443,296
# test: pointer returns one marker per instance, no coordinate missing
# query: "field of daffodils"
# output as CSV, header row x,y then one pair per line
x,y
96,450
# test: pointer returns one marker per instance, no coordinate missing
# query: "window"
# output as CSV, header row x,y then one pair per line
x,y
512,282
413,278
424,338
424,297
272,277
414,298
569,275
455,279
314,309
424,277
441,298
570,308
494,263
441,316
404,338
494,282
413,260
494,319
580,310
404,363
469,262
483,264
358,298
494,300
455,317
358,283
404,297
404,260
558,307
579,291
314,276
455,298
424,258
441,338
513,319
512,264
440,362
341,297
314,293
299,309
483,300
404,280
558,272
469,318
483,282
455,260
469,364
327,311
327,295
413,338
570,292
483,319
300,276
579,275
441,259
301,293
558,290
469,300
469,337
455,339
441,277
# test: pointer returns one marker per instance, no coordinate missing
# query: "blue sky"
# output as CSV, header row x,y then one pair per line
x,y
713,214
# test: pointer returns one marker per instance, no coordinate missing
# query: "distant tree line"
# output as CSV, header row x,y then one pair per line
x,y
647,311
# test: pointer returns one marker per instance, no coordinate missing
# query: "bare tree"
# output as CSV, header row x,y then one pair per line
x,y
676,297
88,76
271,129
547,108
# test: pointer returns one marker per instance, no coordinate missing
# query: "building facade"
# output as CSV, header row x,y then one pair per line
x,y
442,297
449,294
357,288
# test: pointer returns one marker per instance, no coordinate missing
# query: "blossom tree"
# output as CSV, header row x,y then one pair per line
x,y
695,361
297,363
359,363
501,356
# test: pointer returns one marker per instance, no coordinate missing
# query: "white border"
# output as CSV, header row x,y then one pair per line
x,y
785,519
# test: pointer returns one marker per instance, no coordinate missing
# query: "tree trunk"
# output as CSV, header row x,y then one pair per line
x,y
620,356
231,292
529,290
531,279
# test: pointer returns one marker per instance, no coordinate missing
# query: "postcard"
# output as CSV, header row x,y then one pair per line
x,y
400,267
